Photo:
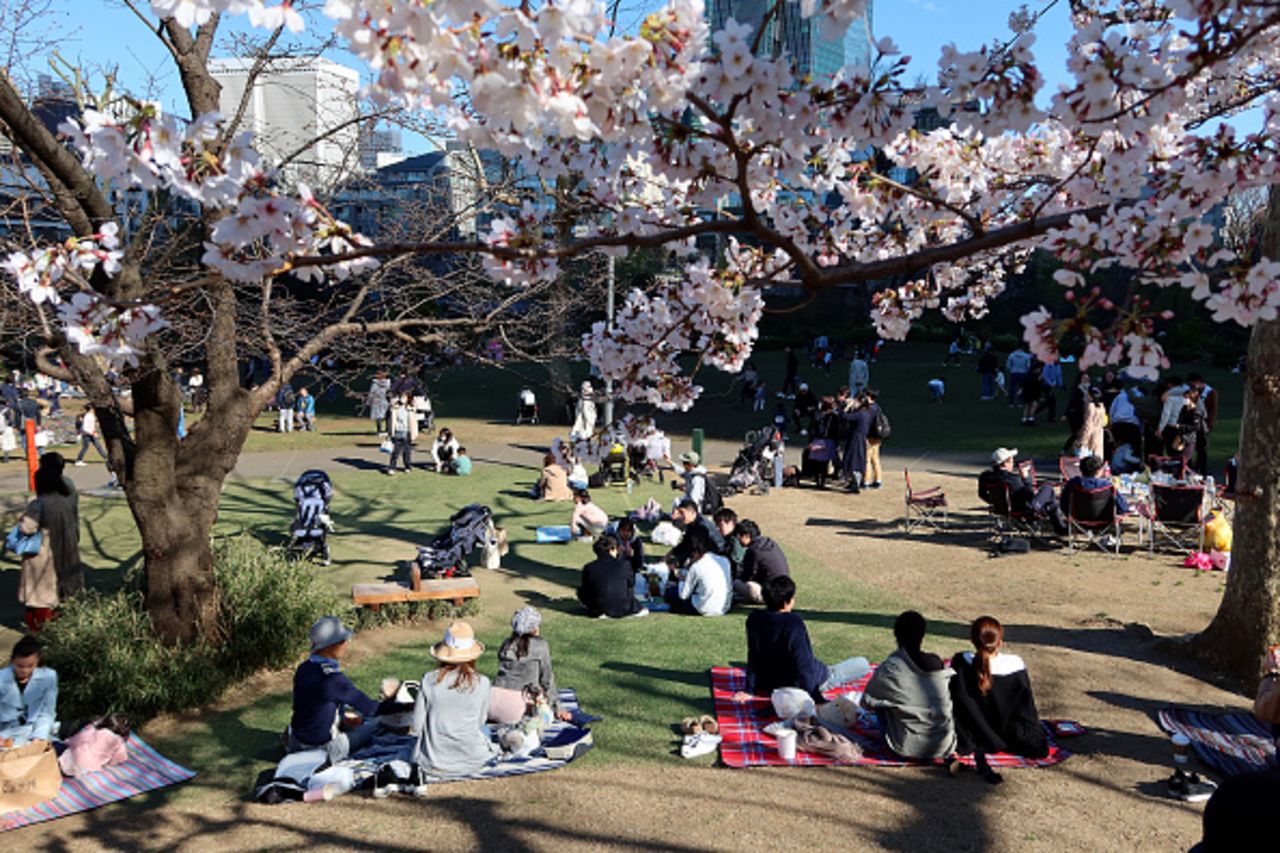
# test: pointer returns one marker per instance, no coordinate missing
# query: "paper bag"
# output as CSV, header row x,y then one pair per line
x,y
29,776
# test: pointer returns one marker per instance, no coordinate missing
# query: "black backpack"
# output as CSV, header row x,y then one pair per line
x,y
712,500
880,425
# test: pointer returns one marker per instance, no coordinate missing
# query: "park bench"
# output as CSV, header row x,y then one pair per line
x,y
375,595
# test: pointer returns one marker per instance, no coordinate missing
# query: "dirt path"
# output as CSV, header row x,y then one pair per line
x,y
1075,619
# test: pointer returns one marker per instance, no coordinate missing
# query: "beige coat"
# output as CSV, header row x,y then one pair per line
x,y
1090,436
38,583
554,484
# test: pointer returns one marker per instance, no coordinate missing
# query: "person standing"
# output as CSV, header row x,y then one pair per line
x,y
285,401
1209,407
854,458
1089,440
790,383
1077,406
379,402
875,437
89,436
988,364
10,421
859,373
1018,363
60,516
196,384
398,424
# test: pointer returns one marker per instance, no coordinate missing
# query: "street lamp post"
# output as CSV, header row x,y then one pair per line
x,y
608,311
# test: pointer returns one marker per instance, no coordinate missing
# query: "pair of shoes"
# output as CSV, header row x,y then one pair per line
x,y
388,471
80,463
1190,787
699,744
1110,542
877,484
643,611
698,725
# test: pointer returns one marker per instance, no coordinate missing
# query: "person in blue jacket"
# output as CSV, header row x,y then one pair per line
x,y
322,692
28,696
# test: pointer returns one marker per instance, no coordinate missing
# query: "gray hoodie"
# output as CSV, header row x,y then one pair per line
x,y
913,706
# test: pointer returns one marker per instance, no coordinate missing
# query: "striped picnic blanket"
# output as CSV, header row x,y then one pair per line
x,y
745,743
1229,743
146,770
388,747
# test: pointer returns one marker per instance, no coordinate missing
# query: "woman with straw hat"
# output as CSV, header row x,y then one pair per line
x,y
451,709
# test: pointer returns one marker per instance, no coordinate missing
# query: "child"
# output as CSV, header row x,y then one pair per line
x,y
461,464
937,389
99,744
758,404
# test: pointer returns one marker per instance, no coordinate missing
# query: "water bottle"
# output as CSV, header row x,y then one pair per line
x,y
630,483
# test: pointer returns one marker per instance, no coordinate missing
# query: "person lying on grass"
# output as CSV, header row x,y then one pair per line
x,y
608,583
779,653
523,659
909,695
329,712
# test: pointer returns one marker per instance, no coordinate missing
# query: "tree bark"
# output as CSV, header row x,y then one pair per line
x,y
1248,619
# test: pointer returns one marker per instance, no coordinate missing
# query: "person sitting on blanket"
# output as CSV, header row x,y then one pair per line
x,y
1090,468
909,695
726,521
994,708
779,653
28,696
608,586
762,561
451,738
588,519
320,692
706,587
523,659
553,485
630,548
688,518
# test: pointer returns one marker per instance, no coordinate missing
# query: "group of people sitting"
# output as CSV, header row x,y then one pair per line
x,y
1004,485
451,707
980,704
447,455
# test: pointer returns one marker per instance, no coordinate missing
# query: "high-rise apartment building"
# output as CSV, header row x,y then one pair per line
x,y
297,105
815,55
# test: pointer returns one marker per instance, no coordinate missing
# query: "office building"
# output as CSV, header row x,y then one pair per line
x,y
814,54
302,109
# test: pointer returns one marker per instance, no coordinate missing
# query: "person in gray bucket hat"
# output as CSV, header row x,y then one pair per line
x,y
329,712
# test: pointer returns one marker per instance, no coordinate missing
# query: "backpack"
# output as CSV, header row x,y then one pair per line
x,y
712,500
880,425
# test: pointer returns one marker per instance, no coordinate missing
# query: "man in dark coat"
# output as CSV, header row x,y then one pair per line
x,y
608,582
762,561
1022,495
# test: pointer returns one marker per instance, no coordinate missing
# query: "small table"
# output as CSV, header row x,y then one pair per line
x,y
375,595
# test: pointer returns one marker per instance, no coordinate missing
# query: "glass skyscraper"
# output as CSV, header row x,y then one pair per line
x,y
790,35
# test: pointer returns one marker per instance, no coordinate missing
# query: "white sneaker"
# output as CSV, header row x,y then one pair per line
x,y
699,744
643,611
80,463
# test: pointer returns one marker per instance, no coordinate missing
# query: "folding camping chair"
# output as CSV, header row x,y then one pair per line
x,y
929,506
1092,513
1069,467
1176,514
1004,518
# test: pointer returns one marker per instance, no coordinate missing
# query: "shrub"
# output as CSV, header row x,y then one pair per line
x,y
109,659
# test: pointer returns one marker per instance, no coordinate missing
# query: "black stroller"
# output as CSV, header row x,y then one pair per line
x,y
446,556
753,466
311,524
526,407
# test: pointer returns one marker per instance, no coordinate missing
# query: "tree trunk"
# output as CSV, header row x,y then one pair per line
x,y
1248,619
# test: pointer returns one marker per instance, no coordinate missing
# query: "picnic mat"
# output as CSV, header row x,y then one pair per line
x,y
557,533
1229,743
745,744
388,747
146,770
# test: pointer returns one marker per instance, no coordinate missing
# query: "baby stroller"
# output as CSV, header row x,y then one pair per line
x,y
446,556
753,466
527,407
311,524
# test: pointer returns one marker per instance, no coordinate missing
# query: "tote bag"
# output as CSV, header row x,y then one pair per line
x,y
29,776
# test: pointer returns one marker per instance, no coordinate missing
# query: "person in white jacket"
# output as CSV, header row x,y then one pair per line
x,y
706,587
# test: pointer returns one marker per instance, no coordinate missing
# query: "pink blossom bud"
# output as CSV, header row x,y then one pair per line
x,y
1106,304
1166,314
1070,296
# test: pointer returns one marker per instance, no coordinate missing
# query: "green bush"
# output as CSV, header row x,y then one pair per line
x,y
109,659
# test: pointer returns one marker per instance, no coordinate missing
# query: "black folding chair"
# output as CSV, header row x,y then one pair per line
x,y
1176,515
1091,513
1005,519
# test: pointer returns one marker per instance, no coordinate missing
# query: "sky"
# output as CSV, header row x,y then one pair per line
x,y
103,33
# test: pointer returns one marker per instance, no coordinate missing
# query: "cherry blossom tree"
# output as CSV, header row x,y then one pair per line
x,y
673,133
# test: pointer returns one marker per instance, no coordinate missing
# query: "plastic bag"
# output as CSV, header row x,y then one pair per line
x,y
666,534
1217,533
792,702
386,446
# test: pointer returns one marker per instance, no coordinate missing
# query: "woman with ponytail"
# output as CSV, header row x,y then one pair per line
x,y
992,701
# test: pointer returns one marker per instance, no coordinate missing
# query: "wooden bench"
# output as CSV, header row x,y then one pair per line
x,y
377,594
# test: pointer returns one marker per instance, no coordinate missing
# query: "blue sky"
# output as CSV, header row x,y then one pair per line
x,y
100,33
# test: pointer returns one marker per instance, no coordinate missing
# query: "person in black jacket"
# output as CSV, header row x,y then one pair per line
x,y
1023,496
762,561
608,583
992,701
630,548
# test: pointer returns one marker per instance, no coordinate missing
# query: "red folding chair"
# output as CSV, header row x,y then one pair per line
x,y
1092,514
929,506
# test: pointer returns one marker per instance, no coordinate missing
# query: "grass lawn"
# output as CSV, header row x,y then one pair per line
x,y
642,675
962,425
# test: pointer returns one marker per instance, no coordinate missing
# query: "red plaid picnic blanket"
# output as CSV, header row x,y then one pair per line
x,y
745,744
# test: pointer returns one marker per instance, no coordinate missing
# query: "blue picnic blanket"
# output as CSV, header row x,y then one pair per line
x,y
560,533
